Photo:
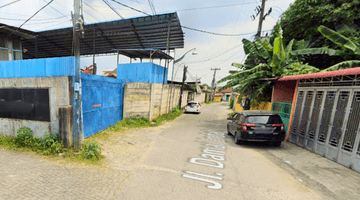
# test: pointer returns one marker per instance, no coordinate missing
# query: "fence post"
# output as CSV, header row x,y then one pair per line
x,y
124,100
65,126
151,101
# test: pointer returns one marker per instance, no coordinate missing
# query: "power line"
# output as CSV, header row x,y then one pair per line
x,y
217,55
219,34
34,14
130,7
112,8
55,9
152,7
33,19
9,4
94,9
220,6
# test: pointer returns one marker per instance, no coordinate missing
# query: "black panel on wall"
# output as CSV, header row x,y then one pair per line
x,y
30,104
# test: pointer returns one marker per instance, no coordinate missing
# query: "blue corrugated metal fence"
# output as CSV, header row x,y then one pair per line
x,y
142,72
45,67
102,99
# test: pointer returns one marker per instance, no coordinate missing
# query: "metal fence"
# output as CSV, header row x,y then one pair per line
x,y
326,121
284,110
102,100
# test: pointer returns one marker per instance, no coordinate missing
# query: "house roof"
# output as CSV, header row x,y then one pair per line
x,y
149,32
11,30
350,71
228,90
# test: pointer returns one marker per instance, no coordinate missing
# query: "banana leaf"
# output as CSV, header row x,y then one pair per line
x,y
338,39
314,51
343,65
261,49
248,46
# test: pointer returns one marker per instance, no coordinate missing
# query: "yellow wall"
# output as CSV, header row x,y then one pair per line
x,y
217,98
262,106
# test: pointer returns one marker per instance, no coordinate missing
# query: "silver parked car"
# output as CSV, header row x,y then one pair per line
x,y
193,107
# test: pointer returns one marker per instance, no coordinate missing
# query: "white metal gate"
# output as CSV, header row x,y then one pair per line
x,y
326,119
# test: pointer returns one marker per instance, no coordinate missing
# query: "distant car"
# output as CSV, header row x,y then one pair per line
x,y
193,107
257,126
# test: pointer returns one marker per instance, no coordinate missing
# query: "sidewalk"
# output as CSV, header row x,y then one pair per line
x,y
317,171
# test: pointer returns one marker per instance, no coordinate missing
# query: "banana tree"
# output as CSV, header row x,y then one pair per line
x,y
349,48
264,62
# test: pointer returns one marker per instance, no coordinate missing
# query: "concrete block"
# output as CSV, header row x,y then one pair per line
x,y
2,83
65,126
46,82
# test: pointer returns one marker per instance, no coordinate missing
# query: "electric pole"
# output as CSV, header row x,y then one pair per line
x,y
213,85
78,32
182,85
262,8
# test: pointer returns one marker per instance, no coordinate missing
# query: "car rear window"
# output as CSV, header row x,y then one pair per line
x,y
265,119
191,104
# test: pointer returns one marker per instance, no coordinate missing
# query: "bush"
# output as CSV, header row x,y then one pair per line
x,y
232,99
24,137
90,150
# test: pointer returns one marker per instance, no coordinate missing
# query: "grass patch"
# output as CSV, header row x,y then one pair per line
x,y
135,122
50,146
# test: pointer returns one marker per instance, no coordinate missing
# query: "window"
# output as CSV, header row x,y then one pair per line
x,y
17,52
266,119
4,51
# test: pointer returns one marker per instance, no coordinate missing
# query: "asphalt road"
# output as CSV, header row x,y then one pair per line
x,y
194,158
191,157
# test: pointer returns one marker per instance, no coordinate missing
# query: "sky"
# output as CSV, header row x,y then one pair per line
x,y
217,16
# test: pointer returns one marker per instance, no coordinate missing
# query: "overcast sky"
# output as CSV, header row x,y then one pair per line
x,y
219,16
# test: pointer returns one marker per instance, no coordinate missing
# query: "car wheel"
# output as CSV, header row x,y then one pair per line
x,y
277,144
228,130
237,141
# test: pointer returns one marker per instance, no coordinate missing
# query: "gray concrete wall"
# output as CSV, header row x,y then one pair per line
x,y
136,100
150,100
59,95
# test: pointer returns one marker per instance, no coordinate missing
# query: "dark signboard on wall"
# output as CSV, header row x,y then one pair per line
x,y
29,104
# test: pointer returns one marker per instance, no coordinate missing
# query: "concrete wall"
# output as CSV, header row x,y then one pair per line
x,y
59,95
283,91
137,100
152,100
199,97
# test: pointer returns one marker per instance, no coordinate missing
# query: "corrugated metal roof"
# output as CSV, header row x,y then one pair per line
x,y
350,71
149,32
144,53
11,30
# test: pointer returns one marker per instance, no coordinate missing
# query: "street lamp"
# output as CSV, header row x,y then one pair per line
x,y
175,61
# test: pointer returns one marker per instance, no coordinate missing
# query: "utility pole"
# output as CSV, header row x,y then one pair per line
x,y
78,32
182,85
258,34
213,84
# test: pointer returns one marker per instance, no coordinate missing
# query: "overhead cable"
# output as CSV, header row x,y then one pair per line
x,y
130,7
34,14
112,8
50,19
94,9
9,4
55,9
220,34
220,6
